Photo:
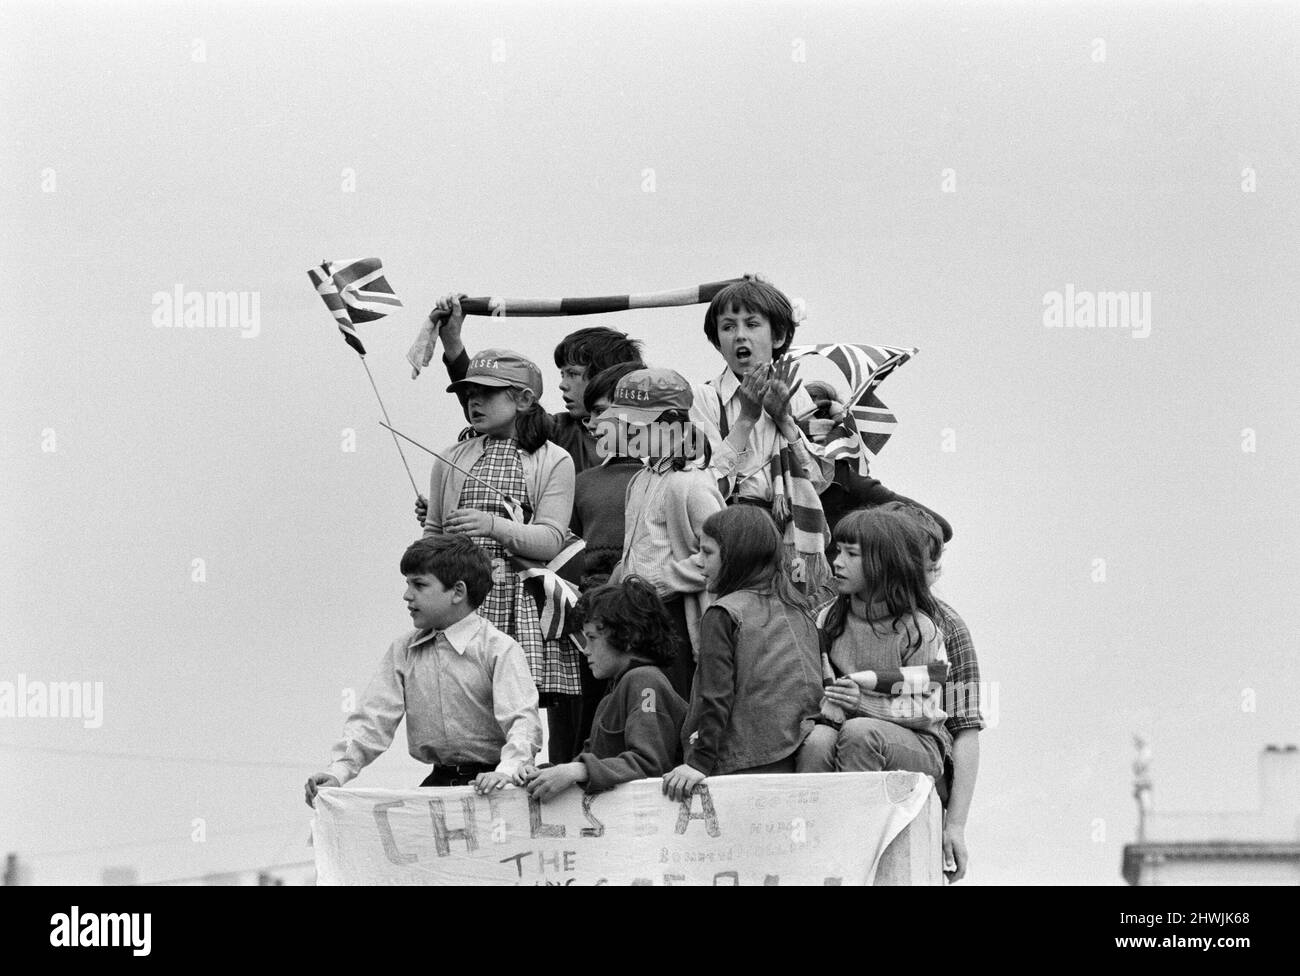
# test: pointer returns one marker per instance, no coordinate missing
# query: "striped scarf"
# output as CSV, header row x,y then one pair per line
x,y
797,511
910,696
421,351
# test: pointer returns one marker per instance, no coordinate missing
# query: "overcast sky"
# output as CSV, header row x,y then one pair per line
x,y
572,150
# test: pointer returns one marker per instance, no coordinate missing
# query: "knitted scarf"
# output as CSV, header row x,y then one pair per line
x,y
421,352
797,510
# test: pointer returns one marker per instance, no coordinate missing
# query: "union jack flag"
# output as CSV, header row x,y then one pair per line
x,y
868,423
354,291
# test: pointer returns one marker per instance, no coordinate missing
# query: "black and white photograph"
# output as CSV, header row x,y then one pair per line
x,y
650,443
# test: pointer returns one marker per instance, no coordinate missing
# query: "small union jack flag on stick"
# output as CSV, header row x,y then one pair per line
x,y
867,424
357,291
354,291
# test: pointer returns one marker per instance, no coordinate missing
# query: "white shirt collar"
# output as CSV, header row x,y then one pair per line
x,y
458,634
726,384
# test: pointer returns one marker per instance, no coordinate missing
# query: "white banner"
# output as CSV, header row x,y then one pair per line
x,y
812,829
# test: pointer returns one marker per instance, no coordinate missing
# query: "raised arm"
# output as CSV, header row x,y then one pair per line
x,y
868,491
730,450
454,356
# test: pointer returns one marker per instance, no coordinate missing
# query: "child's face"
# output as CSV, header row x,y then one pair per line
x,y
709,559
606,661
744,339
573,383
598,406
849,578
432,605
492,410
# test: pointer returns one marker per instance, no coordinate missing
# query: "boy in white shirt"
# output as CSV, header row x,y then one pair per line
x,y
463,685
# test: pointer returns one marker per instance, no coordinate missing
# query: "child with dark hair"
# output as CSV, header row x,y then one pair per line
x,y
637,731
961,698
579,357
510,457
758,684
463,685
599,491
583,354
883,655
751,324
667,500
598,506
760,454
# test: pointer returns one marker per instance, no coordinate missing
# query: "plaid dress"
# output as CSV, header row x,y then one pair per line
x,y
553,663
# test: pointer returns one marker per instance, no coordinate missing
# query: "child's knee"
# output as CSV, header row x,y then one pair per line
x,y
870,733
817,754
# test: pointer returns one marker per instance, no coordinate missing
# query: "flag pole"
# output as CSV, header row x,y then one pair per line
x,y
513,506
396,442
368,272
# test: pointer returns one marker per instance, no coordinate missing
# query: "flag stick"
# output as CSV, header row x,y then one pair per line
x,y
510,502
396,442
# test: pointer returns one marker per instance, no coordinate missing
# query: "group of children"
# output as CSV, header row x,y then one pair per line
x,y
704,647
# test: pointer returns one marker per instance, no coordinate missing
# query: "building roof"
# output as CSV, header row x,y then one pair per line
x,y
1137,855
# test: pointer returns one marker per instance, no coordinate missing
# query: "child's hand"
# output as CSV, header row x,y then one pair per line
x,y
681,782
780,388
955,856
547,784
421,508
752,390
832,713
468,521
485,783
526,772
314,784
845,693
453,318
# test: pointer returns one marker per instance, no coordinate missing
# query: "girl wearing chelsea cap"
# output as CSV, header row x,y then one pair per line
x,y
511,454
668,501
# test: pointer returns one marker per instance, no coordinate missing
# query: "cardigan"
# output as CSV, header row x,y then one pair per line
x,y
548,473
664,515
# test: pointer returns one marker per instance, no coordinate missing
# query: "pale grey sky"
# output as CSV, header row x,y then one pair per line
x,y
150,146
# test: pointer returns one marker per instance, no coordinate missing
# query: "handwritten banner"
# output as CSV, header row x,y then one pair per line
x,y
819,829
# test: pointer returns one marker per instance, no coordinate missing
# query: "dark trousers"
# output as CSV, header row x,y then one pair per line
x,y
462,775
564,726
681,673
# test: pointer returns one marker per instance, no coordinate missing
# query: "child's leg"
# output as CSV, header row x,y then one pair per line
x,y
681,673
817,754
872,744
563,713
